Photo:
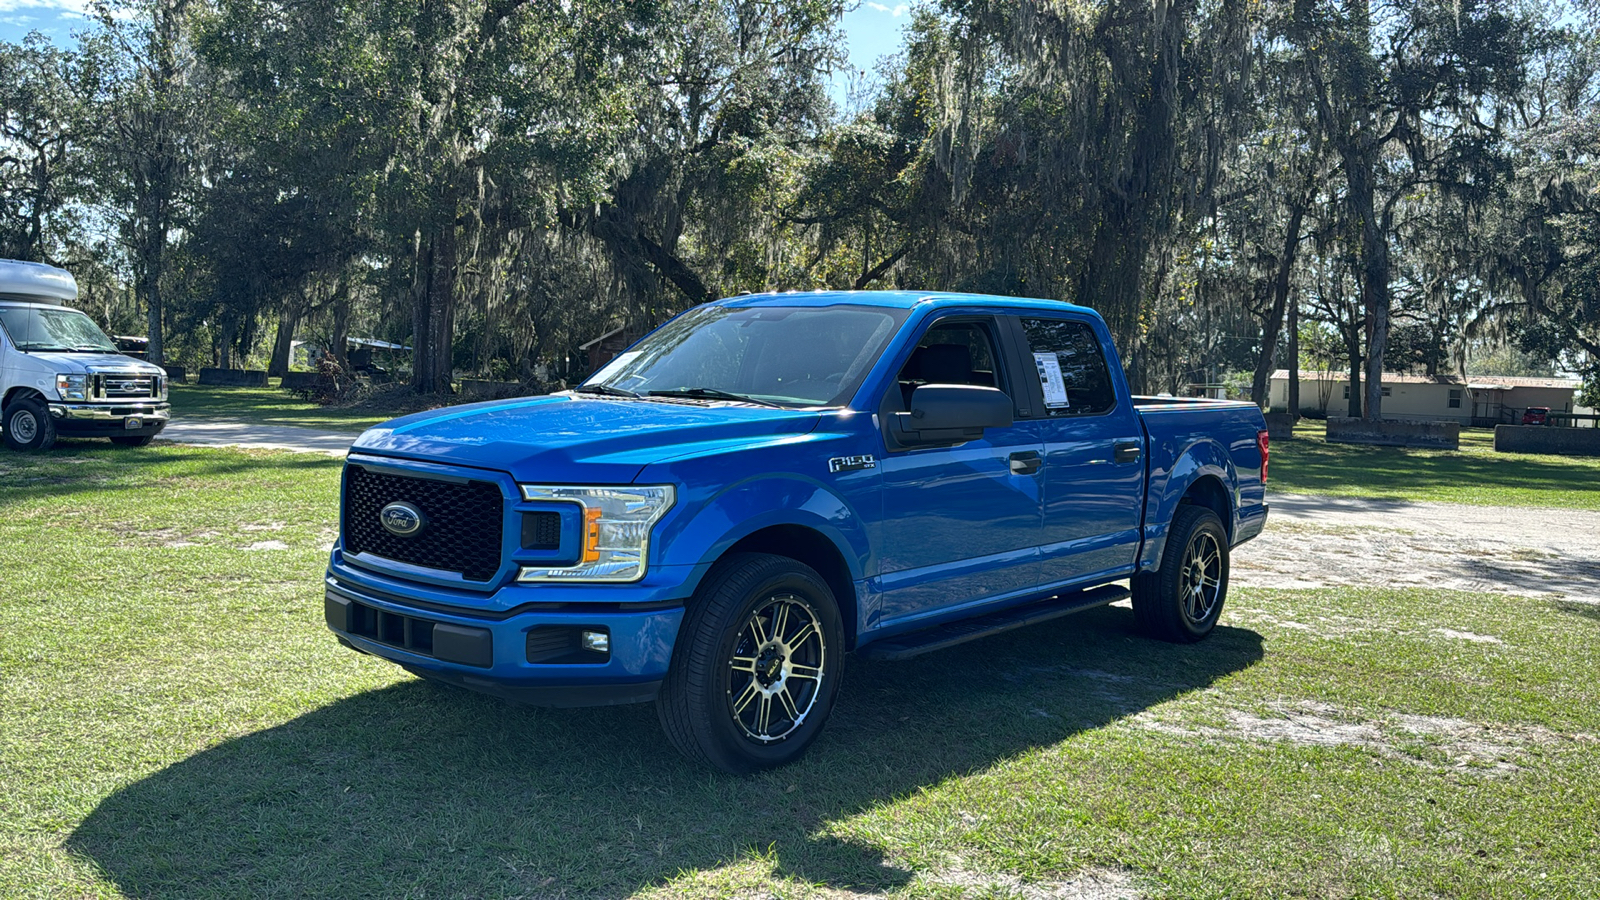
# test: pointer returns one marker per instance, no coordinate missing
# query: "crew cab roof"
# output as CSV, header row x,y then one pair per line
x,y
897,300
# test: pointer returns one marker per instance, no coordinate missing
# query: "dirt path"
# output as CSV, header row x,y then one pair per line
x,y
229,433
1314,541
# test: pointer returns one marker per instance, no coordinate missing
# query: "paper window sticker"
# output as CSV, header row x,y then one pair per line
x,y
1055,389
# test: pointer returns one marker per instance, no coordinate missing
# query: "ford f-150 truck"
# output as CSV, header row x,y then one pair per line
x,y
60,374
765,483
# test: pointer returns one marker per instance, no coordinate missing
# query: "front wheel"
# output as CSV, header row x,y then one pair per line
x,y
1182,600
756,667
28,426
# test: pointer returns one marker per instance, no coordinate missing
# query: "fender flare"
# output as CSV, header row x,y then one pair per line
x,y
1204,458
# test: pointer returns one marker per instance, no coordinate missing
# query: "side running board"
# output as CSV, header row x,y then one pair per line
x,y
916,643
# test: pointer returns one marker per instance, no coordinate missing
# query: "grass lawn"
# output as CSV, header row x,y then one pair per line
x,y
176,722
1475,474
268,406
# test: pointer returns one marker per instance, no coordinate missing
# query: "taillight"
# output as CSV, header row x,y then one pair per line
x,y
1265,445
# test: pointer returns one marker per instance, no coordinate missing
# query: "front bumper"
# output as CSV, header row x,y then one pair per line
x,y
490,652
110,417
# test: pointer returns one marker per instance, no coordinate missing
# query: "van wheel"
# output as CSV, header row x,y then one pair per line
x,y
28,426
756,667
1182,600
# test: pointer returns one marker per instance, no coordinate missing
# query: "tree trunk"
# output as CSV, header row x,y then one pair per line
x,y
1294,358
283,346
433,324
1280,298
341,329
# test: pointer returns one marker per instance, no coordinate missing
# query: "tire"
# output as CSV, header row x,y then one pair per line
x,y
134,440
1181,601
28,427
757,665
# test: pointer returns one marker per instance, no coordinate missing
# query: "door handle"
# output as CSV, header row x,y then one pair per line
x,y
1127,451
1025,462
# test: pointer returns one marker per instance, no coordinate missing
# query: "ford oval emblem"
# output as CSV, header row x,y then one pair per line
x,y
402,519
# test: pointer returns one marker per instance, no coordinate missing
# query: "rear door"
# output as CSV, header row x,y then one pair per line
x,y
1094,469
960,524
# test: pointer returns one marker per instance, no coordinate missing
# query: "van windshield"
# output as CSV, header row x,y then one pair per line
x,y
771,355
56,329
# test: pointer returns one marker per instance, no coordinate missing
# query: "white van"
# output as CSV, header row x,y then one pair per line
x,y
60,374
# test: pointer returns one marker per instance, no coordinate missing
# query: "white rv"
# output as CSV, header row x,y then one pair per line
x,y
61,375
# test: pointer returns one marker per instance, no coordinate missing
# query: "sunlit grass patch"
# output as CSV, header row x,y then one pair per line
x,y
175,721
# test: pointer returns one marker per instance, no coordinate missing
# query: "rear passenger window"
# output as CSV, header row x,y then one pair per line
x,y
1071,367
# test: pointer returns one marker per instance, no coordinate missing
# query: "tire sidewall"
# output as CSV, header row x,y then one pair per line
x,y
43,428
730,741
1205,523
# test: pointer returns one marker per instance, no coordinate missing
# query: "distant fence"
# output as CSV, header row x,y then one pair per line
x,y
233,377
1280,426
1544,439
300,381
1395,433
177,373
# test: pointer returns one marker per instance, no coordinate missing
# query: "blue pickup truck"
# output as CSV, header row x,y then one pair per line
x,y
767,482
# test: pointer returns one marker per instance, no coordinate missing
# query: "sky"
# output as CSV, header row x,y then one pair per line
x,y
872,30
56,18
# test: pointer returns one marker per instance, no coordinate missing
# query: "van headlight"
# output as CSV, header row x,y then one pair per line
x,y
616,522
72,387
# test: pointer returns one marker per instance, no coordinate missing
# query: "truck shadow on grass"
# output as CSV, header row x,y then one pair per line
x,y
422,790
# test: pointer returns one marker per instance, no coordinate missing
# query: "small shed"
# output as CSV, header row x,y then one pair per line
x,y
605,348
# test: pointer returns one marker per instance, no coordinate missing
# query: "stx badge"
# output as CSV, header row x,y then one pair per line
x,y
852,463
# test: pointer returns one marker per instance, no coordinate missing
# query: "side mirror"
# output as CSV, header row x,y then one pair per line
x,y
951,414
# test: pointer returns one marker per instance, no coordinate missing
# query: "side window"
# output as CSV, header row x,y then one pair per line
x,y
952,353
1072,369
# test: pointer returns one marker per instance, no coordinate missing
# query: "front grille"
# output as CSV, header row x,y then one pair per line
x,y
114,387
461,530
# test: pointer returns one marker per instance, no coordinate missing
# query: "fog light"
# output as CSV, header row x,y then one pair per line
x,y
598,641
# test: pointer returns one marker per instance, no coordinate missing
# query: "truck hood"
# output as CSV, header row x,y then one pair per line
x,y
574,439
83,363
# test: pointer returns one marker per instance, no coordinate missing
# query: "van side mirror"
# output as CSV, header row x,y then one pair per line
x,y
950,414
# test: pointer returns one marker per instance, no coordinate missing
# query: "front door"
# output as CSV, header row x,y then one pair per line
x,y
960,524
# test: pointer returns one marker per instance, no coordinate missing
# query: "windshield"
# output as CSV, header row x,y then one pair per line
x,y
55,328
784,356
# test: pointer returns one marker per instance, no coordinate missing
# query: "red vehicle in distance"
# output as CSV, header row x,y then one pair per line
x,y
1536,415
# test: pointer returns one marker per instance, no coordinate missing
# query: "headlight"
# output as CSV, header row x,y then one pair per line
x,y
616,521
73,387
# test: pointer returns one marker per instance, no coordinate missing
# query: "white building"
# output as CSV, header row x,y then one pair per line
x,y
1482,400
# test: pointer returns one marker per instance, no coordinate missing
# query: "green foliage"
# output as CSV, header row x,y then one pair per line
x,y
496,182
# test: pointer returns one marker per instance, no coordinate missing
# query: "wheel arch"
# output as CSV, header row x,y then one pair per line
x,y
813,548
1207,491
18,393
1203,474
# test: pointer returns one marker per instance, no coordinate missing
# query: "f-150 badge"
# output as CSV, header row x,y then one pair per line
x,y
852,463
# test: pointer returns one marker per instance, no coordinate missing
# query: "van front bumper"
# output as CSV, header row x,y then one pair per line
x,y
533,656
110,419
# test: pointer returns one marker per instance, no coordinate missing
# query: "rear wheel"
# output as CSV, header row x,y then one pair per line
x,y
1182,600
756,667
28,427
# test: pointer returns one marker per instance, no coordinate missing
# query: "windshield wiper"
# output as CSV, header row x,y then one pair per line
x,y
705,393
606,389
